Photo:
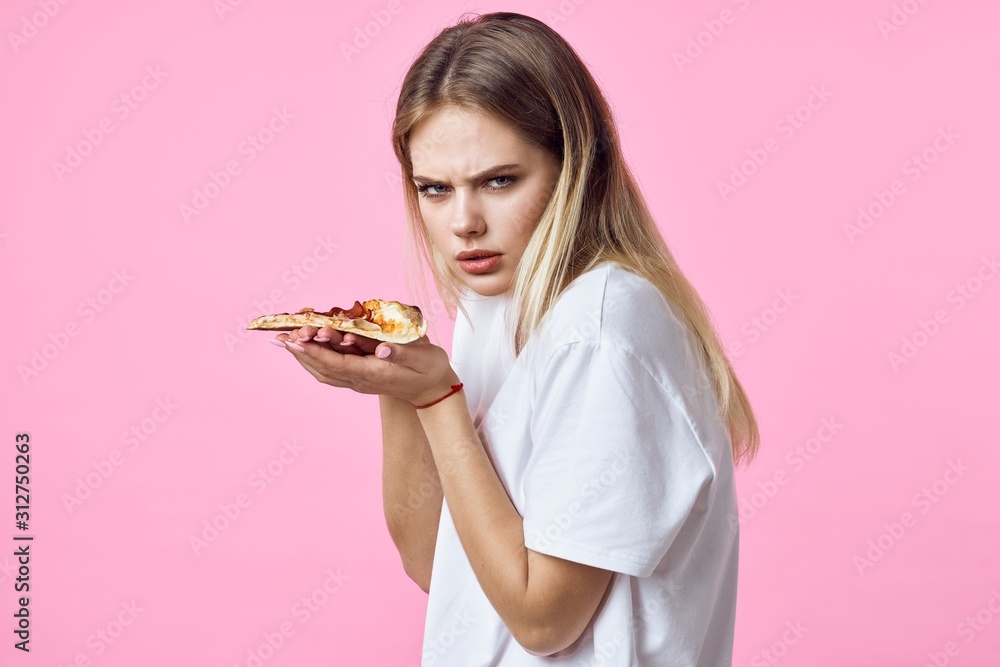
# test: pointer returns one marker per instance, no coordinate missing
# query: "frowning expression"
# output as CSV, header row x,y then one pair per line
x,y
482,190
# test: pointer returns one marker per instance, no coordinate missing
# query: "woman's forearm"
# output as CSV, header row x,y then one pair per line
x,y
411,488
488,525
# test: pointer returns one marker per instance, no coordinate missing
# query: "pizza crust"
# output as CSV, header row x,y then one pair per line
x,y
383,320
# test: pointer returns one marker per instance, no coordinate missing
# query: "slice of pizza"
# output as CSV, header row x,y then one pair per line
x,y
389,321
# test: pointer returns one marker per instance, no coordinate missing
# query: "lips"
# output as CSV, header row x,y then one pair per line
x,y
479,265
477,253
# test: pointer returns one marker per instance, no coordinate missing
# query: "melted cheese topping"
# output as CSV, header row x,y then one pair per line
x,y
365,325
391,312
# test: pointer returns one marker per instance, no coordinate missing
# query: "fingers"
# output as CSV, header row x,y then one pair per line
x,y
325,337
416,354
407,370
338,370
318,355
334,340
350,343
302,334
362,344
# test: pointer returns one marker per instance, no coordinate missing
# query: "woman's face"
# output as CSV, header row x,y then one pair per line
x,y
482,190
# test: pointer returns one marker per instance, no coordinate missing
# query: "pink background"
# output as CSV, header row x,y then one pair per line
x,y
837,539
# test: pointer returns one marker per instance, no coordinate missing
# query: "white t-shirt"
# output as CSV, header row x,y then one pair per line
x,y
604,434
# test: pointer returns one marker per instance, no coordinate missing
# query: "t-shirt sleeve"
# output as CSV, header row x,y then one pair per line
x,y
615,468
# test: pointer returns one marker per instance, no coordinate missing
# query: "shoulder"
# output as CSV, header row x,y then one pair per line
x,y
612,318
616,308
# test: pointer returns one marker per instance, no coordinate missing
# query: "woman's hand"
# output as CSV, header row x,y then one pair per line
x,y
418,372
332,339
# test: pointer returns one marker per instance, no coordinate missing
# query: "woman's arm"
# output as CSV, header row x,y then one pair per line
x,y
545,602
411,489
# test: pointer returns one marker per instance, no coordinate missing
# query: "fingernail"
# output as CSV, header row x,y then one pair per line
x,y
344,342
303,339
321,339
295,346
275,341
383,352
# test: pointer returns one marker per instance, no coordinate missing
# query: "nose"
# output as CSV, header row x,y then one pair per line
x,y
468,216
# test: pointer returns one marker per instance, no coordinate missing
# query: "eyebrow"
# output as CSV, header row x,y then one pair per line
x,y
475,177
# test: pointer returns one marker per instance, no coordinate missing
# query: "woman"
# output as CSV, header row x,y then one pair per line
x,y
563,485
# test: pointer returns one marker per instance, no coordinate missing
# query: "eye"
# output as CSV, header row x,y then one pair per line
x,y
506,182
424,191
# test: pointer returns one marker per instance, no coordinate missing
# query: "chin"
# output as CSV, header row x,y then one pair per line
x,y
488,284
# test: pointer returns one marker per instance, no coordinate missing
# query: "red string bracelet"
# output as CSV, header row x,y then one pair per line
x,y
454,388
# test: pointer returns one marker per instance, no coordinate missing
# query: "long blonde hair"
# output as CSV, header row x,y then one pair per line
x,y
521,72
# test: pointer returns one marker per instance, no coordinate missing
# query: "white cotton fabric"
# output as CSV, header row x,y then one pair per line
x,y
605,435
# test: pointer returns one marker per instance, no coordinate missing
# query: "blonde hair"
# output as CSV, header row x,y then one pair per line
x,y
518,70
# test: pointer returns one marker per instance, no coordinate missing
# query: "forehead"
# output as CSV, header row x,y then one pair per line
x,y
457,141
